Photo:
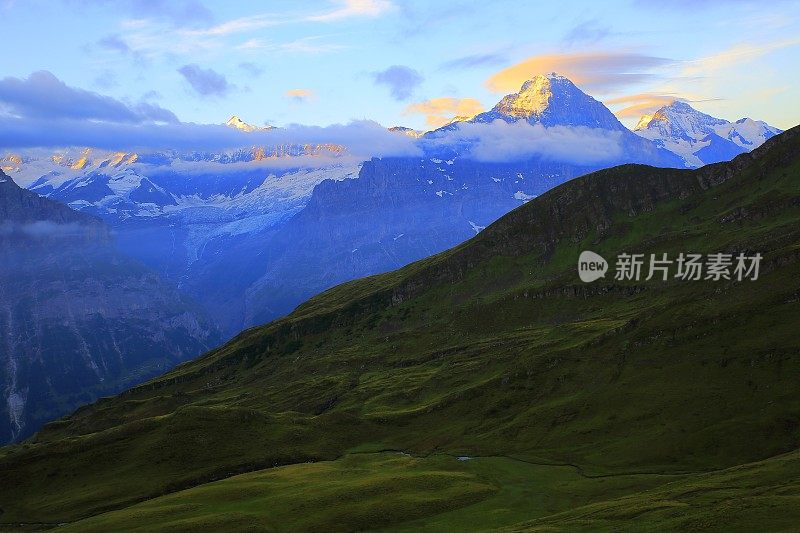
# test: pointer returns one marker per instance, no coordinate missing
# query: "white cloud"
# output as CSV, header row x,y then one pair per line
x,y
153,36
733,56
362,139
306,45
240,25
503,141
355,8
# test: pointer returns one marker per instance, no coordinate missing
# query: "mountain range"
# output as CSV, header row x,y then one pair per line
x,y
485,387
290,232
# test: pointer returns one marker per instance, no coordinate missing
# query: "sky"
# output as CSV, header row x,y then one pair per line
x,y
396,62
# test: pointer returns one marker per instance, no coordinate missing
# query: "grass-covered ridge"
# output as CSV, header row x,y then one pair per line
x,y
493,349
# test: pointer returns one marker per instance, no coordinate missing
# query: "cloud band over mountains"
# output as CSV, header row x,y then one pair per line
x,y
44,112
365,138
496,142
501,141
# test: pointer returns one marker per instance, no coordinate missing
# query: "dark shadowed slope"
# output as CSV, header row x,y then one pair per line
x,y
77,319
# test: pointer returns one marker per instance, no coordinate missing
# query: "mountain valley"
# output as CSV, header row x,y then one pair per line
x,y
484,386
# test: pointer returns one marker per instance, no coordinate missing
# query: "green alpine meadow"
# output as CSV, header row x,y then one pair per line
x,y
484,388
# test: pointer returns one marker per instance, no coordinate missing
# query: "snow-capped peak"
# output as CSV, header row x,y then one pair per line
x,y
679,119
700,138
239,124
552,100
751,131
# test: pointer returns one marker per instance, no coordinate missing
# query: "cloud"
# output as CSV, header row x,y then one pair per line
x,y
307,45
115,43
317,160
501,141
44,96
244,24
347,9
587,32
593,71
733,56
106,80
704,4
179,13
299,95
42,229
636,105
150,36
355,8
205,82
151,95
401,80
251,68
439,111
421,18
472,61
640,104
361,138
715,79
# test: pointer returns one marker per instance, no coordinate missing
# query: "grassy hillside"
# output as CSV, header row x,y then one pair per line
x,y
585,405
440,493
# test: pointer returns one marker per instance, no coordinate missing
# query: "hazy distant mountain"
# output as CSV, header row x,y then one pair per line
x,y
78,319
700,139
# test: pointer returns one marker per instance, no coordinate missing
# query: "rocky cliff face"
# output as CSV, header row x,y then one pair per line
x,y
78,319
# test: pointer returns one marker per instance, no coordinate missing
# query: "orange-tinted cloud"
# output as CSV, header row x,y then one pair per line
x,y
299,95
440,111
598,72
640,104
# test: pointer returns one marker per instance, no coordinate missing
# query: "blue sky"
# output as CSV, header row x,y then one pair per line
x,y
415,63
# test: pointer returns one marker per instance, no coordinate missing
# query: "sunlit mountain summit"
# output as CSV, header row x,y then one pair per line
x,y
552,100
